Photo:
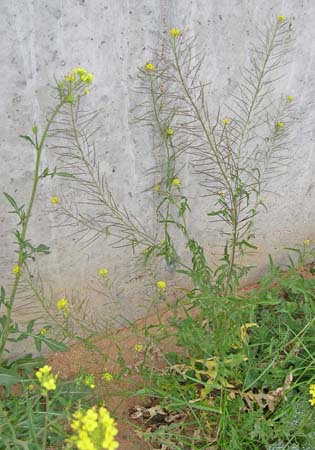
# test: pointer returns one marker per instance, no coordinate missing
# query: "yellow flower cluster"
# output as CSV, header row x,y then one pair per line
x,y
103,272
169,131
138,347
225,121
81,75
161,285
46,378
176,182
107,376
16,269
280,124
306,242
175,32
290,98
281,18
62,304
54,200
94,429
312,392
149,67
89,380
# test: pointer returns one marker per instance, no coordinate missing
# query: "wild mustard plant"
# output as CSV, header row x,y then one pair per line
x,y
67,92
305,253
234,155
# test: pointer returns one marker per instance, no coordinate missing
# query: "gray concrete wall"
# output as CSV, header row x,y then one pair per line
x,y
112,39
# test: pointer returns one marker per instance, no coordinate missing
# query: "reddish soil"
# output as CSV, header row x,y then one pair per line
x,y
109,351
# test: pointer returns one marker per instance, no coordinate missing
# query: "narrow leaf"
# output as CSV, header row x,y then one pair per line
x,y
8,377
27,138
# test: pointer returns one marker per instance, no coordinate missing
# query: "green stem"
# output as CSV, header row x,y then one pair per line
x,y
233,249
44,444
169,171
9,306
237,201
215,152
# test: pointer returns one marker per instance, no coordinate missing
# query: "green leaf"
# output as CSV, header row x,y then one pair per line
x,y
189,273
27,363
217,213
54,345
44,173
12,202
64,174
2,295
30,326
41,248
8,377
247,244
28,139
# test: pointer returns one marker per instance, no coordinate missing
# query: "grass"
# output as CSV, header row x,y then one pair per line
x,y
240,379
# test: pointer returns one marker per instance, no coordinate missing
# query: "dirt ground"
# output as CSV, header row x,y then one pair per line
x,y
110,351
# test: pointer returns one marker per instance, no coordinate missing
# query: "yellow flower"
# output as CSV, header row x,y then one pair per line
x,y
88,78
79,71
87,91
161,285
89,380
176,182
70,78
94,429
280,124
46,378
225,121
62,304
306,242
107,376
169,131
103,272
54,200
175,32
16,269
43,332
312,401
150,67
290,98
312,389
138,347
281,18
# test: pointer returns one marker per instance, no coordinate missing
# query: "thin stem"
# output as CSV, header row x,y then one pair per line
x,y
44,442
237,202
169,172
116,213
9,306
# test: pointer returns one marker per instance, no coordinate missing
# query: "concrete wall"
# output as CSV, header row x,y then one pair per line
x,y
112,38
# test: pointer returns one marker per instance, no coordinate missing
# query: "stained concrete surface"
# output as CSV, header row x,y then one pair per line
x,y
112,38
